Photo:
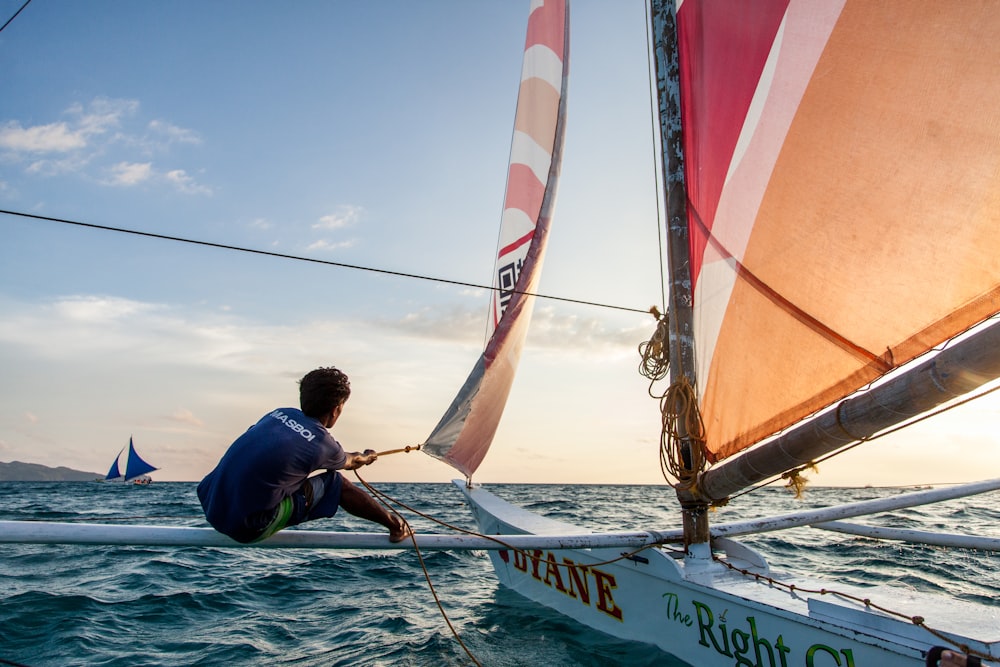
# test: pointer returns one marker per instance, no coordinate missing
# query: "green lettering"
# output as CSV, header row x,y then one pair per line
x,y
810,659
674,611
741,645
705,622
782,650
758,642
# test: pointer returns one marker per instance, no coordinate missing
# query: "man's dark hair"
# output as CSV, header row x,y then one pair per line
x,y
322,390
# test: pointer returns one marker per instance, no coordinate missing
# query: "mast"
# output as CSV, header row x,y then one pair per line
x,y
681,341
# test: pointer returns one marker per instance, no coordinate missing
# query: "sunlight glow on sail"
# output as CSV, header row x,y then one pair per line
x,y
843,172
465,433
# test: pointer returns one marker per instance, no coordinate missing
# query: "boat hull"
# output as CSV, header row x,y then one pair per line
x,y
706,613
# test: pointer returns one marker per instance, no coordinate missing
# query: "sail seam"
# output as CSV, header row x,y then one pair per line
x,y
750,278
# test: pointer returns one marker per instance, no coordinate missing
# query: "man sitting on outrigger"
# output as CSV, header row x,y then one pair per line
x,y
265,480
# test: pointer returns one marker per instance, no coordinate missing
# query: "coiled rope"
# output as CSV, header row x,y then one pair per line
x,y
682,434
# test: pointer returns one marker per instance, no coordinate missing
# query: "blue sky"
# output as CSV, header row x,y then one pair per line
x,y
365,133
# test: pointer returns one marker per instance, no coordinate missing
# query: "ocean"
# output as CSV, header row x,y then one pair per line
x,y
133,606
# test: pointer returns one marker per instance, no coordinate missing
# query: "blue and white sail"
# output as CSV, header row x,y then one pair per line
x,y
135,465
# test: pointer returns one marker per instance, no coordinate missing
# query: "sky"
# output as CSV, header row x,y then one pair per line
x,y
373,134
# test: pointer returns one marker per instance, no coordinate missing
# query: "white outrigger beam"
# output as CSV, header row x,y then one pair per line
x,y
954,540
43,532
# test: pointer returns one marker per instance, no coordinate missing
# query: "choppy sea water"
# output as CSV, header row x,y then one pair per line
x,y
108,605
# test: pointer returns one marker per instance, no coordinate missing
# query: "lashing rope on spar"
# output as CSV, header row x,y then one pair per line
x,y
682,434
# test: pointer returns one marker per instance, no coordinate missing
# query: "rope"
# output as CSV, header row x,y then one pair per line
x,y
682,439
916,620
179,239
654,353
387,501
682,436
4,26
791,588
423,566
401,450
493,538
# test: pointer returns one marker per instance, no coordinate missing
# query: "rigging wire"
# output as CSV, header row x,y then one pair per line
x,y
653,135
356,267
11,19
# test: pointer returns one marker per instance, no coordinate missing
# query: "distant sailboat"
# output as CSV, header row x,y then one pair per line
x,y
136,468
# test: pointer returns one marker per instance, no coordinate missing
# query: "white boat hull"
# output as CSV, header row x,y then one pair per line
x,y
708,615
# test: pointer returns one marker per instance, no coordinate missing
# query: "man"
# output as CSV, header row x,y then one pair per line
x,y
265,480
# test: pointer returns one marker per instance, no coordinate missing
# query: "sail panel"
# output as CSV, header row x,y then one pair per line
x,y
115,472
135,466
843,199
465,433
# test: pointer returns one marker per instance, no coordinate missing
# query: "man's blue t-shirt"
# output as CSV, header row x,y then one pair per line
x,y
265,465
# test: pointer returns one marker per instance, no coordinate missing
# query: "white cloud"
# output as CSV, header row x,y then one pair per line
x,y
174,133
130,173
99,367
97,138
184,416
184,183
345,216
323,244
54,137
100,309
102,114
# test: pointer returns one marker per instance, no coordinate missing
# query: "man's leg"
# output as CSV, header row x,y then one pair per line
x,y
360,504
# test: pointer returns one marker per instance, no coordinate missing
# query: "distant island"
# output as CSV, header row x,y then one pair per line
x,y
16,471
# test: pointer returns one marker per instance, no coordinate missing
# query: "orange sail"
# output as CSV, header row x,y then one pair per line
x,y
843,192
466,431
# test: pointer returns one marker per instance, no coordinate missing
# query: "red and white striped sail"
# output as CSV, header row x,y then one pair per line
x,y
843,174
465,433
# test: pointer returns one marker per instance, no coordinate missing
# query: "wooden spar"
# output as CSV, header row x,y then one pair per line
x,y
682,362
43,532
851,510
918,536
956,370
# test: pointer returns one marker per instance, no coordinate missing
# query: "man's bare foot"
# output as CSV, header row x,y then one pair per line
x,y
401,531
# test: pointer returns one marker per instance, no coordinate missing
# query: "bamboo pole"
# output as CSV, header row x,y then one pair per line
x,y
954,540
958,369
